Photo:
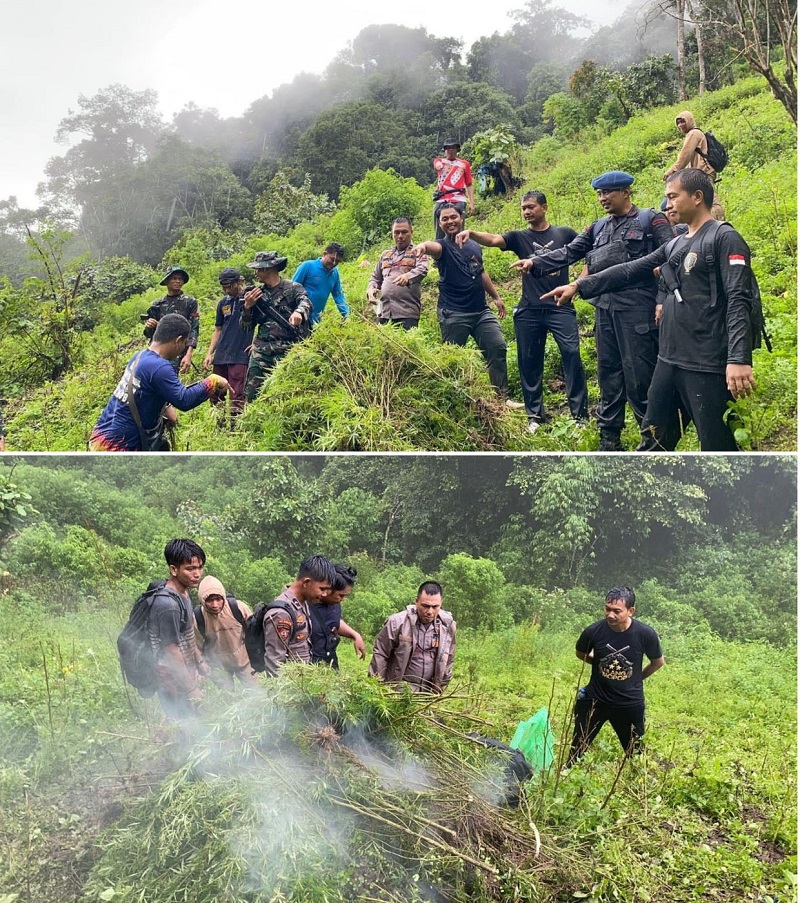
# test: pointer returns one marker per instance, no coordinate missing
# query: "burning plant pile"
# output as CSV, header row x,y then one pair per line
x,y
326,787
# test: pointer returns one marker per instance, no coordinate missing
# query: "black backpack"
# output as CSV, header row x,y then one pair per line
x,y
717,156
254,632
136,657
200,618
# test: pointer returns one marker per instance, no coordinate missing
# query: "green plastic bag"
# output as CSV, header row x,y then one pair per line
x,y
534,739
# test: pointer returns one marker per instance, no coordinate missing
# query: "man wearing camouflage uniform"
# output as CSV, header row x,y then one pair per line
x,y
175,302
280,311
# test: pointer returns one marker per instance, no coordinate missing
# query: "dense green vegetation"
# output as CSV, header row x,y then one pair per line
x,y
352,387
279,796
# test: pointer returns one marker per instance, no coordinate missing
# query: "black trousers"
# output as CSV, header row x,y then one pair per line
x,y
484,327
590,716
627,350
531,325
701,397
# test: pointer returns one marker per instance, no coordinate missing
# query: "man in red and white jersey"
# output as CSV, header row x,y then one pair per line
x,y
453,183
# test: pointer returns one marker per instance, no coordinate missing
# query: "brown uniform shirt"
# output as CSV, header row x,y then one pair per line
x,y
279,643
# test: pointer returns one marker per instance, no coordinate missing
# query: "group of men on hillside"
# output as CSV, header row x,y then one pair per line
x,y
302,624
635,313
415,648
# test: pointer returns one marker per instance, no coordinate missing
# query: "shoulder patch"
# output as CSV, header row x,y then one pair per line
x,y
737,260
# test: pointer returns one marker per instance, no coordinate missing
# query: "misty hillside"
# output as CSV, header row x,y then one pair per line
x,y
353,387
324,786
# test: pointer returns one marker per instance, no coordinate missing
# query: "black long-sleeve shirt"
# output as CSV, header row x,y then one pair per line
x,y
707,330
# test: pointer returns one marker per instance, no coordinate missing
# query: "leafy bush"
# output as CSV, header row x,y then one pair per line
x,y
377,199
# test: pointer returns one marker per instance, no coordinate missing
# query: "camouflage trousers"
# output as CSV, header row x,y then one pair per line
x,y
263,358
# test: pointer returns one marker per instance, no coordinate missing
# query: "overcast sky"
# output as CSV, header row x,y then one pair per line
x,y
222,55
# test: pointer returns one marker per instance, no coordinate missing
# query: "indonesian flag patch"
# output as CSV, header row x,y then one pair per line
x,y
737,260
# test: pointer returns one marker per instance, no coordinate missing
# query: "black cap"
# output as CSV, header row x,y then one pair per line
x,y
229,275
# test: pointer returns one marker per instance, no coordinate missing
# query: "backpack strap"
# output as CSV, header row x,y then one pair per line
x,y
235,610
598,226
200,620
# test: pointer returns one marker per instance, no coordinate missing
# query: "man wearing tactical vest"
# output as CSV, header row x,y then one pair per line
x,y
287,626
625,328
710,324
280,311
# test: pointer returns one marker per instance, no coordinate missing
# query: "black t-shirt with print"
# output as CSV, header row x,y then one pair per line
x,y
617,663
522,243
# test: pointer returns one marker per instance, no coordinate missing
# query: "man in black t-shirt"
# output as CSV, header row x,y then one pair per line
x,y
615,647
229,351
534,318
462,308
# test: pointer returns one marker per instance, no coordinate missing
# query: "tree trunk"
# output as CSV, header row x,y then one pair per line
x,y
701,57
681,16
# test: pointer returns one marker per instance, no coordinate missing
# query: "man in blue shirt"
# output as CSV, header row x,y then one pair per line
x,y
320,279
133,419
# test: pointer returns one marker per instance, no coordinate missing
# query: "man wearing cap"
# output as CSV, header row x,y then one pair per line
x,y
711,320
694,155
320,278
279,311
625,328
175,302
229,351
453,183
394,287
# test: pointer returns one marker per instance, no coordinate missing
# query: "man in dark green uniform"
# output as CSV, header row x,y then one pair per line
x,y
176,302
280,311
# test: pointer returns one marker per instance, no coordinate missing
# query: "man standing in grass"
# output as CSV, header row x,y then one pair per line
x,y
179,665
417,646
320,278
615,647
535,317
462,309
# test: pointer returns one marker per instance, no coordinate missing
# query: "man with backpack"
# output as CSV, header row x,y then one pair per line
x,y
701,150
219,634
286,622
157,648
146,398
625,329
711,321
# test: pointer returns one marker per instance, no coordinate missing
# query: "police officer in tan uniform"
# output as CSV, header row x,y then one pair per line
x,y
417,646
287,626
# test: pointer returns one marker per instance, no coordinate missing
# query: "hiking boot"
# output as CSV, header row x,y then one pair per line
x,y
610,444
533,425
